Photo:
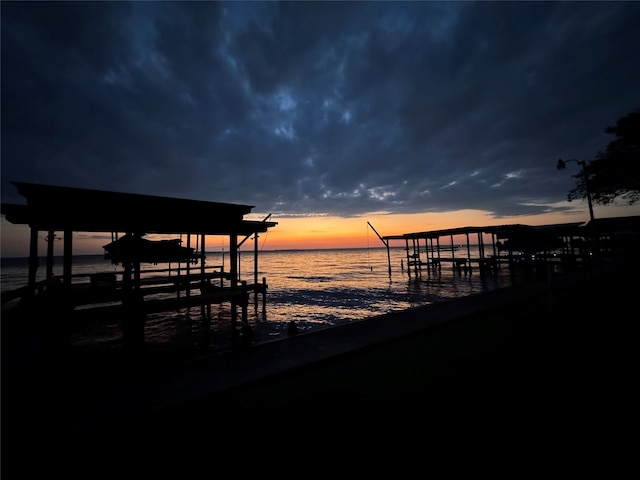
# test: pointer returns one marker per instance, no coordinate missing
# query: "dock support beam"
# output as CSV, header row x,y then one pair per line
x,y
50,239
33,257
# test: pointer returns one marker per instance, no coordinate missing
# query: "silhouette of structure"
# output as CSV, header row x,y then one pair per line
x,y
133,292
564,244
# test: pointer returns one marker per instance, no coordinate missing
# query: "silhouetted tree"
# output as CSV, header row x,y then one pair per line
x,y
614,173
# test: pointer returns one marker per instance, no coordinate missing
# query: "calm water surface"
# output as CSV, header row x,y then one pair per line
x,y
314,288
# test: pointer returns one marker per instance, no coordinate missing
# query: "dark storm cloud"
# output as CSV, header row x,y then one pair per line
x,y
316,107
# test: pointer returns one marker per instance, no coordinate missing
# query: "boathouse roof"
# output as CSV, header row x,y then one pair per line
x,y
56,208
501,231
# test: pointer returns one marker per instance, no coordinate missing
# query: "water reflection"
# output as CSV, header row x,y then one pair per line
x,y
316,289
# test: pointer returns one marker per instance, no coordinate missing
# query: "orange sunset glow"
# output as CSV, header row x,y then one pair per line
x,y
337,232
321,232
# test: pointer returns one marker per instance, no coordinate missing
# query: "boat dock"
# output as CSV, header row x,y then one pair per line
x,y
515,246
133,292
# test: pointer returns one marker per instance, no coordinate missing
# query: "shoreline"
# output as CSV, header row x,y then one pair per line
x,y
517,345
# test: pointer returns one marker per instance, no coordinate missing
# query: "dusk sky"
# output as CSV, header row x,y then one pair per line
x,y
412,115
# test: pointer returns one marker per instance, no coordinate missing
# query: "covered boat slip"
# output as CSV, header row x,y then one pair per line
x,y
516,245
133,291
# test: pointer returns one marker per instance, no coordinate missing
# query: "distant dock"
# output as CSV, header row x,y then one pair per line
x,y
517,246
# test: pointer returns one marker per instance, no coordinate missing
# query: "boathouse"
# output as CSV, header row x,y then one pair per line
x,y
132,293
566,244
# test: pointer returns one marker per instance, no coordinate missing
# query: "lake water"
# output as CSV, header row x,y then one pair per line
x,y
314,288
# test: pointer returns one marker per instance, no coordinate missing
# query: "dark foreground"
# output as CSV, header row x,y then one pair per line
x,y
534,368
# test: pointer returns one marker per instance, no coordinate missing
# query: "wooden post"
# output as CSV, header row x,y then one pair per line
x,y
453,254
386,244
426,254
67,259
133,315
233,259
255,258
188,285
233,262
50,238
406,243
431,264
33,258
203,281
468,252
